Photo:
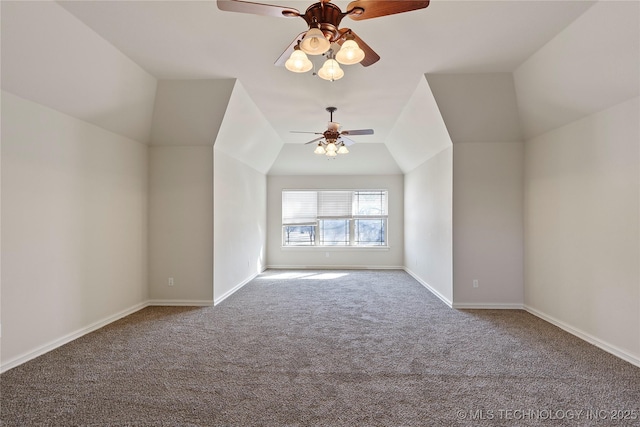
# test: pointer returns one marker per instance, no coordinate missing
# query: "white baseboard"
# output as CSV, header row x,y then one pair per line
x,y
609,348
487,306
233,290
335,267
426,285
180,302
39,351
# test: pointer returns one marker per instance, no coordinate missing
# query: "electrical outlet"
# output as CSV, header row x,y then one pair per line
x,y
170,281
475,283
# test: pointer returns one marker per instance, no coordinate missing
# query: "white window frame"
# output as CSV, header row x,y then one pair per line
x,y
331,205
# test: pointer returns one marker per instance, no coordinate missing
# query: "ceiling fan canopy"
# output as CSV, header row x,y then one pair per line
x,y
333,141
324,35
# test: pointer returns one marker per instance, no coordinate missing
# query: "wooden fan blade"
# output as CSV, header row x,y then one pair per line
x,y
314,140
346,141
288,51
370,56
257,8
377,8
357,132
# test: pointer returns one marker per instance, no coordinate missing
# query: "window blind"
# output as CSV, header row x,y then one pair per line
x,y
335,204
305,207
299,207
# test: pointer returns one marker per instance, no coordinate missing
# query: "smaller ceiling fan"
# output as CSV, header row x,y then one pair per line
x,y
333,141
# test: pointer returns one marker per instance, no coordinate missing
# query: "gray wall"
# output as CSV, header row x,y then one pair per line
x,y
181,224
488,224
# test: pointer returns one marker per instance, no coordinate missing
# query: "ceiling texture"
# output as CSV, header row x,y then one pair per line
x,y
195,40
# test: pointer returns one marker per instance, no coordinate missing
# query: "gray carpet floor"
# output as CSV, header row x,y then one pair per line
x,y
326,348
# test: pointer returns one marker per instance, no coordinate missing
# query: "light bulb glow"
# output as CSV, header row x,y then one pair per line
x,y
350,53
314,42
331,153
331,70
331,147
298,62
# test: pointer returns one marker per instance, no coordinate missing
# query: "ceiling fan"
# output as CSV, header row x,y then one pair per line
x,y
324,37
333,141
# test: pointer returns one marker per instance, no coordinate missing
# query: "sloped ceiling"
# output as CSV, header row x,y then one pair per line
x,y
52,58
190,112
477,107
592,65
245,134
420,133
100,61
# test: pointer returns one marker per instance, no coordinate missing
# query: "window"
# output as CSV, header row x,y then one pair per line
x,y
334,218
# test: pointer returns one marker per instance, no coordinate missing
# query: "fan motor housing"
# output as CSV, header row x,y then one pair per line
x,y
327,17
331,134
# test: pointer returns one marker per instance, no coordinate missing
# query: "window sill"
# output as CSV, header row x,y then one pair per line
x,y
335,248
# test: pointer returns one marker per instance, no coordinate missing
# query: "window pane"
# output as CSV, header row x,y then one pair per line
x,y
370,203
369,232
334,232
299,235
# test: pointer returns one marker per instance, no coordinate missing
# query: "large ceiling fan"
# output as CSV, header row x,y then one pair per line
x,y
324,37
333,141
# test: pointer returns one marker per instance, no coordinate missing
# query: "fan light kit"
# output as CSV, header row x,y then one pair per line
x,y
324,37
333,142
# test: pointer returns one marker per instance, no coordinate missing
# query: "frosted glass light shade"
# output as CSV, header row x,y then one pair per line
x,y
350,53
331,70
319,149
331,147
314,42
331,153
298,62
343,150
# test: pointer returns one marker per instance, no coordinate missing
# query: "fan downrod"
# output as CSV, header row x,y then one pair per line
x,y
331,110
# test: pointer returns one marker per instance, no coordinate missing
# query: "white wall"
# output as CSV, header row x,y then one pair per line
x,y
488,224
240,224
75,110
582,230
578,101
181,224
74,216
428,224
313,257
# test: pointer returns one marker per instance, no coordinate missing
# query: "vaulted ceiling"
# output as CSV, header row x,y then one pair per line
x,y
181,40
